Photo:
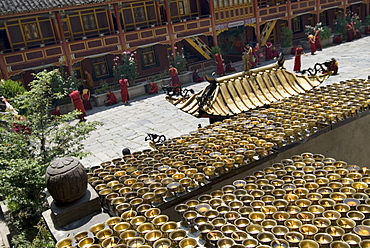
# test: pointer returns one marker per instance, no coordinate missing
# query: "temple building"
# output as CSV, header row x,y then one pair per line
x,y
86,36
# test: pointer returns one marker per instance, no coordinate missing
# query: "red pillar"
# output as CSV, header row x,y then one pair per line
x,y
4,71
169,26
256,14
119,26
65,48
213,22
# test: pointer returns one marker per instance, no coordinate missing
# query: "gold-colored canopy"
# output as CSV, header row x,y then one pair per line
x,y
240,92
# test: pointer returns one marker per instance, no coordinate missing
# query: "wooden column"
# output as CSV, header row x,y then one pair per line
x,y
289,10
169,26
256,14
317,11
65,48
4,71
119,26
213,22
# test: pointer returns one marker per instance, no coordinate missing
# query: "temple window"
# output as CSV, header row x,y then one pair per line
x,y
100,66
31,31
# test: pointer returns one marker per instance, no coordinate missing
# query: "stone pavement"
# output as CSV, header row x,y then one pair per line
x,y
128,125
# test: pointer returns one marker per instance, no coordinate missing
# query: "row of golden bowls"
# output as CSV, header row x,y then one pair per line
x,y
277,203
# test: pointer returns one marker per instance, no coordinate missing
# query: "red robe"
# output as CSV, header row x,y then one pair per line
x,y
311,40
153,88
297,59
251,56
77,102
350,32
318,41
175,80
220,64
111,99
268,51
124,90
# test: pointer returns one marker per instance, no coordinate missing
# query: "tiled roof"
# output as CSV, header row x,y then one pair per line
x,y
240,92
9,7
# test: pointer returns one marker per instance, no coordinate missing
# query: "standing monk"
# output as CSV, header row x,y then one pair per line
x,y
350,32
124,90
268,51
89,80
175,80
220,64
297,58
249,51
311,41
77,103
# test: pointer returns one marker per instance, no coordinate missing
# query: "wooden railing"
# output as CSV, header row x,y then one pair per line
x,y
192,27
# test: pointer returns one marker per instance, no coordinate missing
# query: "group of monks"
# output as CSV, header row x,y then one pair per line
x,y
315,45
252,57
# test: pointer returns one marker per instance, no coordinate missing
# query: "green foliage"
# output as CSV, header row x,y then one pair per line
x,y
10,88
42,239
180,61
215,50
286,37
367,20
340,24
21,182
25,154
125,66
325,33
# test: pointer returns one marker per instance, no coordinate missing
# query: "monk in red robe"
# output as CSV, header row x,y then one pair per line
x,y
311,41
153,88
77,103
196,77
175,80
297,58
268,51
318,41
220,64
111,98
124,90
350,32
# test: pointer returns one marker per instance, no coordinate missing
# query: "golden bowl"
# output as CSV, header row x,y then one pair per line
x,y
169,227
103,234
85,242
225,243
64,243
308,244
136,242
188,243
160,220
80,235
96,228
111,222
161,243
178,235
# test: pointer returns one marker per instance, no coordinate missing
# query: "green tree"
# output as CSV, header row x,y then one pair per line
x,y
38,139
286,37
125,66
10,88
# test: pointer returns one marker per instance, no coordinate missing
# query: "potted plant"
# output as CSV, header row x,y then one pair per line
x,y
125,66
286,39
340,28
367,25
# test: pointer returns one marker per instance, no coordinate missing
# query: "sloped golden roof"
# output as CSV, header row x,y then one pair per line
x,y
240,92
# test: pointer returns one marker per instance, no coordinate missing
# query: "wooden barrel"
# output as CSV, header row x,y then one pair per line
x,y
66,179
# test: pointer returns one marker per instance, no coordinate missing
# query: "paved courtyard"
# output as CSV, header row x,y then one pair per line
x,y
128,125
